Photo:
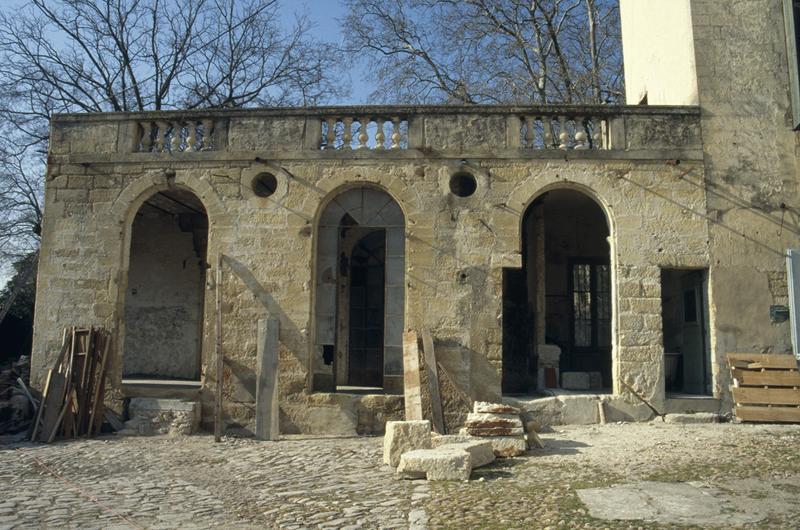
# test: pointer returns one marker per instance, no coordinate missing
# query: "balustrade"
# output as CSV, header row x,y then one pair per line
x,y
563,132
176,136
364,132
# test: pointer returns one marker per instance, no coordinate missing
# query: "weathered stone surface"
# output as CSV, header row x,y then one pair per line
x,y
404,436
493,431
478,420
436,464
697,417
162,416
494,408
504,445
438,440
481,451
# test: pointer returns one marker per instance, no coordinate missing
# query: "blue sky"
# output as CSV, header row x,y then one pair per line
x,y
324,15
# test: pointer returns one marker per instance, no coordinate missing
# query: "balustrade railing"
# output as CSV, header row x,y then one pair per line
x,y
563,132
364,132
176,136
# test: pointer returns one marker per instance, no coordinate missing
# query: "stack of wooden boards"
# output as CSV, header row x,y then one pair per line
x,y
766,387
72,401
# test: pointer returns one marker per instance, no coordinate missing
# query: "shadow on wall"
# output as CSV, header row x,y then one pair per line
x,y
242,379
464,376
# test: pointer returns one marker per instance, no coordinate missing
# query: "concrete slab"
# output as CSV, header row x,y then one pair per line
x,y
665,503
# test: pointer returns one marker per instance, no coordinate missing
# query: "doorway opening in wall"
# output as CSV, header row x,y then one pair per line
x,y
359,301
361,307
684,317
165,292
557,309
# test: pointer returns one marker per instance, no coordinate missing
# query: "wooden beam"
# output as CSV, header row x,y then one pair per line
x,y
766,396
769,414
767,378
433,381
267,411
411,379
218,350
770,361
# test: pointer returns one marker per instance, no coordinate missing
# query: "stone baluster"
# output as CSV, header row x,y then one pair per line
x,y
363,137
547,125
396,136
598,135
563,134
581,138
191,135
208,135
175,141
330,137
347,135
530,122
161,136
380,136
145,143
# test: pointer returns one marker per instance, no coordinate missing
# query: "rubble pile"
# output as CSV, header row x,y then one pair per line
x,y
499,424
16,407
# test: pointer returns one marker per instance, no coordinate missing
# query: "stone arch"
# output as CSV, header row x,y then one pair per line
x,y
162,284
567,277
359,307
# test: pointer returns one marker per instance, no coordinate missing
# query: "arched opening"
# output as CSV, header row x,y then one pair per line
x,y
557,308
164,297
360,296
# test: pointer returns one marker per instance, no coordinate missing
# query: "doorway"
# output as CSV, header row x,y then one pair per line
x,y
684,317
557,308
360,294
164,296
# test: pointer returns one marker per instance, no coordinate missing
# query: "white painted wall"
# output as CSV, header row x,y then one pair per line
x,y
658,49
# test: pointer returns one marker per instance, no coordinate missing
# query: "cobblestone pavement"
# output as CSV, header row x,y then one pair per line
x,y
191,482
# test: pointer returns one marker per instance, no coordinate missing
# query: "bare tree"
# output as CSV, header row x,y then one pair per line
x,y
489,51
136,55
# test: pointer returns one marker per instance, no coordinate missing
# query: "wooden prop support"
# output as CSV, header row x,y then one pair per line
x,y
411,379
433,381
218,350
267,383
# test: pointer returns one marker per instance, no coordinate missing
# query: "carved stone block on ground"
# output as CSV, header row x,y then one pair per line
x,y
436,464
480,451
575,380
491,421
503,445
494,408
404,436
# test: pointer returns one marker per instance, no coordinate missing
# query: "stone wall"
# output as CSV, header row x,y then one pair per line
x,y
750,157
455,247
163,301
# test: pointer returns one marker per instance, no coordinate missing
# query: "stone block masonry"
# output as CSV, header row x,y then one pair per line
x,y
433,255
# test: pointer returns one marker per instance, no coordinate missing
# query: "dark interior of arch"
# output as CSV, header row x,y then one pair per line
x,y
560,297
164,297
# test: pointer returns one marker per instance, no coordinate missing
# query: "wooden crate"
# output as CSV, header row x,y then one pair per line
x,y
766,387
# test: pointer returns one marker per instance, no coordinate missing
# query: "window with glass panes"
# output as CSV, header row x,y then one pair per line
x,y
590,283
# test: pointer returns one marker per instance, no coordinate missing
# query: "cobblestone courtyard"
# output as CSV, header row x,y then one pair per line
x,y
160,482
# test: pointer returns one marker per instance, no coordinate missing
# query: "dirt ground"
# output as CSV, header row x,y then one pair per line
x,y
647,475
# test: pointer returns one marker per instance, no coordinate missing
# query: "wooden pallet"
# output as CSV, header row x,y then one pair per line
x,y
766,387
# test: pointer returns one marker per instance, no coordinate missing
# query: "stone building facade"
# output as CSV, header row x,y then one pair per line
x,y
604,250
